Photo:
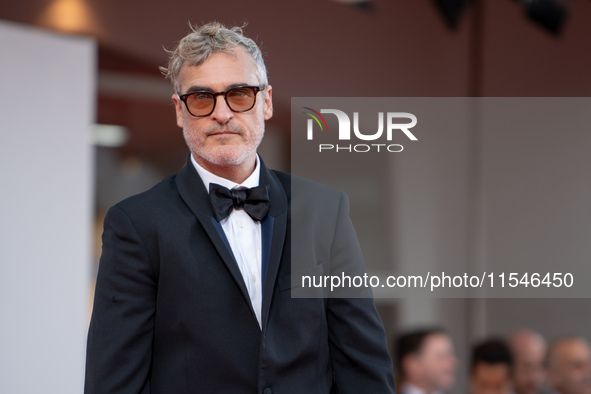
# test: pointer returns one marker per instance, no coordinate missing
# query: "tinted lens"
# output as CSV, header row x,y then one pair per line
x,y
241,99
238,99
200,103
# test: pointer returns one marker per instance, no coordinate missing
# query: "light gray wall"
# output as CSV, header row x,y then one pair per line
x,y
47,105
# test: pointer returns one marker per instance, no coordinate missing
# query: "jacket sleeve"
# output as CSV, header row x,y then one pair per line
x,y
119,347
357,339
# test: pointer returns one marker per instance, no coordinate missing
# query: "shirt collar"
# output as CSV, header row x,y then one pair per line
x,y
409,388
207,177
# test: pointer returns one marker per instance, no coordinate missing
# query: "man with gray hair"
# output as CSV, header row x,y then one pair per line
x,y
193,289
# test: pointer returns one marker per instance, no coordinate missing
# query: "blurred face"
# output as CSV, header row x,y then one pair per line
x,y
223,138
569,371
433,368
490,379
528,375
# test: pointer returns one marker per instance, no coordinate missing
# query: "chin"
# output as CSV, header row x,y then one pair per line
x,y
226,156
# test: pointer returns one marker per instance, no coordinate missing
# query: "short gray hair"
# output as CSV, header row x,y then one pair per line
x,y
206,40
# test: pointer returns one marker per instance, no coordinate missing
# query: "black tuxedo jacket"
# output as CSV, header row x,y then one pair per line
x,y
172,314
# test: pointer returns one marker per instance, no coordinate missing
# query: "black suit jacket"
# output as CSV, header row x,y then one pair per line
x,y
172,314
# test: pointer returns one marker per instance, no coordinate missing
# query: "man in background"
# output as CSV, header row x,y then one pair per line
x,y
491,368
568,366
426,361
529,350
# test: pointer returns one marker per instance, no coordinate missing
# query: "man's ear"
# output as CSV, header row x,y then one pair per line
x,y
268,102
178,106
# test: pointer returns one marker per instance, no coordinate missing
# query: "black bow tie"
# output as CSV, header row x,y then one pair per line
x,y
254,201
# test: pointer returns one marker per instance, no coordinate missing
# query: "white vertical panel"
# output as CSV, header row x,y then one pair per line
x,y
47,105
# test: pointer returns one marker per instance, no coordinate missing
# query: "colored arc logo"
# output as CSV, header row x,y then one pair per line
x,y
315,116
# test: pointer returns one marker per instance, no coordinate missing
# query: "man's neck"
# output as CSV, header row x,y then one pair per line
x,y
235,173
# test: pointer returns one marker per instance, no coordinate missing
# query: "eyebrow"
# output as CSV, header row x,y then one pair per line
x,y
196,88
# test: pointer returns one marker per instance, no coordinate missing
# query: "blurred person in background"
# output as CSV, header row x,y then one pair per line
x,y
426,361
529,350
568,366
491,368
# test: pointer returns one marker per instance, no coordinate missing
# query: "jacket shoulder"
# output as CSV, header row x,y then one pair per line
x,y
296,185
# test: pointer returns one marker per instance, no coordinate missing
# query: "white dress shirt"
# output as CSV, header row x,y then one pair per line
x,y
409,388
243,234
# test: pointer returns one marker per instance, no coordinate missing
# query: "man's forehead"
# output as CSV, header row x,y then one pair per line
x,y
220,70
572,346
437,338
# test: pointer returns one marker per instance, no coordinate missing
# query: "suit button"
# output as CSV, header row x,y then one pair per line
x,y
267,391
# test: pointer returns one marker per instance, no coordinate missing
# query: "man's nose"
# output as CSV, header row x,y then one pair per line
x,y
222,113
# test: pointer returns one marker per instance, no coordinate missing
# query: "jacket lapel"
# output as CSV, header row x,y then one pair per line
x,y
194,194
267,239
274,230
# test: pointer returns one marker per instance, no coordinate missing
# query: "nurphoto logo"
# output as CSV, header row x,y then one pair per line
x,y
396,122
